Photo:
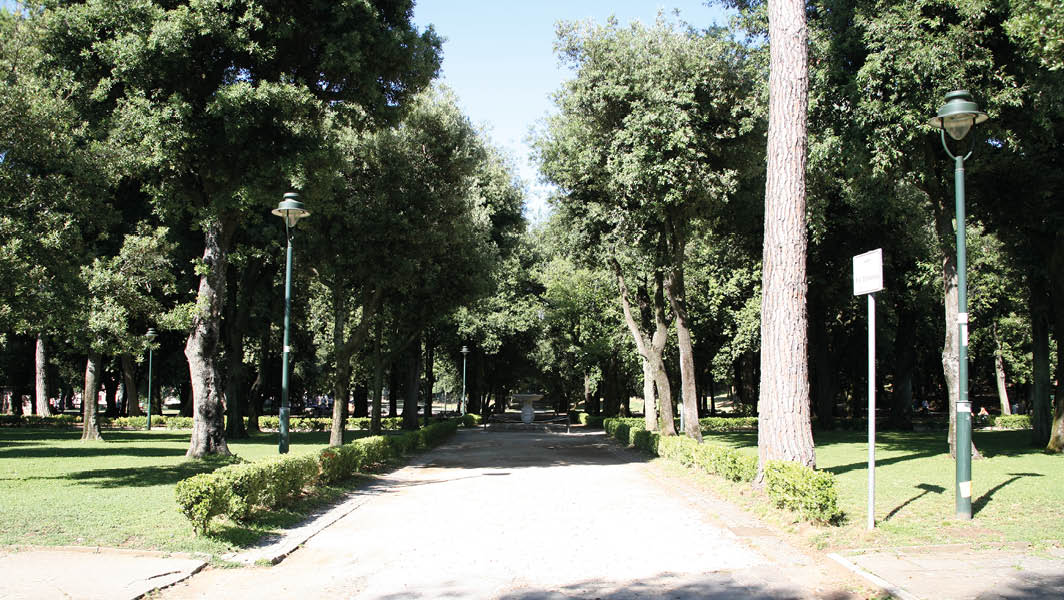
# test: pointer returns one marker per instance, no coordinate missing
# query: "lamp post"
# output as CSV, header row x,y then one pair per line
x,y
291,210
150,335
957,117
462,400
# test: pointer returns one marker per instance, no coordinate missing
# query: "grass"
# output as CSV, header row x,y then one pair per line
x,y
1016,489
58,490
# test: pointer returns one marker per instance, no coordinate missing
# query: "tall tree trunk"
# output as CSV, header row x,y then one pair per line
x,y
257,392
657,363
1041,415
901,408
394,383
378,383
413,384
784,428
643,346
201,350
90,429
110,387
344,348
430,376
43,408
1056,278
675,288
361,399
999,372
129,380
239,312
41,380
951,346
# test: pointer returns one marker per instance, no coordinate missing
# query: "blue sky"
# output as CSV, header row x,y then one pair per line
x,y
498,58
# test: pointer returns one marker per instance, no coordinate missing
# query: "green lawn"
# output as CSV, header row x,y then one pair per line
x,y
1016,489
57,490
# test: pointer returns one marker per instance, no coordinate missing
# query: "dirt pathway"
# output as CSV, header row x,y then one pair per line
x,y
523,515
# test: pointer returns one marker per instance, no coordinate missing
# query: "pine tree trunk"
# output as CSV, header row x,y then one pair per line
x,y
430,377
784,429
201,350
341,395
90,429
43,408
129,380
1041,415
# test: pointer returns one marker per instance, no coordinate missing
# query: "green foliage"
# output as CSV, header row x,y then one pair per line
x,y
591,421
238,491
810,493
471,420
728,423
37,421
1010,421
729,463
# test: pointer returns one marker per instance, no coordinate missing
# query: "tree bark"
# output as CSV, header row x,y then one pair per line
x,y
129,380
901,409
344,348
378,384
675,288
1056,278
951,345
90,429
43,408
1041,415
784,428
999,372
648,351
413,380
430,376
201,350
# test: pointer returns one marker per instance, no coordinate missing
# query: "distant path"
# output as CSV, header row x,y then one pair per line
x,y
523,515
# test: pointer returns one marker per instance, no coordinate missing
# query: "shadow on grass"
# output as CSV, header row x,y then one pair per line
x,y
147,476
840,469
981,503
927,489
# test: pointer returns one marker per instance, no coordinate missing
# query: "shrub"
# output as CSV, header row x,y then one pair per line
x,y
471,420
176,422
728,423
39,421
588,420
200,499
810,493
1011,421
238,490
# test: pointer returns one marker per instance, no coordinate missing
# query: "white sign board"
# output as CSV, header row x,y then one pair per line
x,y
868,272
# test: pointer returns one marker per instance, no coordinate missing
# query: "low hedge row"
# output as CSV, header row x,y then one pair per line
x,y
38,421
237,491
1010,421
810,493
720,424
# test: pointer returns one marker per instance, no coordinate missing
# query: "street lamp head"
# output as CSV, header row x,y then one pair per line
x,y
958,115
151,335
465,349
291,209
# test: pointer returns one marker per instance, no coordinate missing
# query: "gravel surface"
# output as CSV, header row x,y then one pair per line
x,y
531,515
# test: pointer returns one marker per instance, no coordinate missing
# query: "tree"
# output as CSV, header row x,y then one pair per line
x,y
175,86
784,431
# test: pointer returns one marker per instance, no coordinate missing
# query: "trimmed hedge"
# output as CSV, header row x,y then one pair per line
x,y
728,424
589,420
810,493
1010,421
38,421
237,491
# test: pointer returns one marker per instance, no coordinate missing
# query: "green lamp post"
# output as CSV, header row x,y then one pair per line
x,y
150,336
291,210
957,117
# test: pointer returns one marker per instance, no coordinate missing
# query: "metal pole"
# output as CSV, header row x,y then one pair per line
x,y
282,446
149,386
462,400
871,411
964,407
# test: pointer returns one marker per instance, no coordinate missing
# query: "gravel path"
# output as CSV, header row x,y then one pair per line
x,y
532,515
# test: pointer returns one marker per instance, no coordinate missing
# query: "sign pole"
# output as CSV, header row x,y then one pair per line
x,y
871,411
867,280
